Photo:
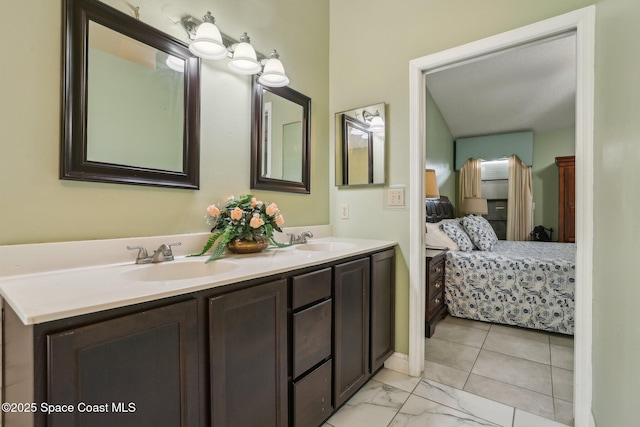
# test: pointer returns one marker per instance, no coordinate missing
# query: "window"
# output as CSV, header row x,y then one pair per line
x,y
495,188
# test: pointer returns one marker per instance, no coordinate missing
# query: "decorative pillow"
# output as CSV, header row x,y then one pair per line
x,y
454,230
438,238
480,232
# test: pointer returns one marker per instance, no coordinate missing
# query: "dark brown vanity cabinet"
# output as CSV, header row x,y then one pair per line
x,y
351,335
279,351
383,308
248,356
311,363
139,369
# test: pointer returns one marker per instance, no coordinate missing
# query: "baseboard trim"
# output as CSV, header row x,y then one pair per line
x,y
398,362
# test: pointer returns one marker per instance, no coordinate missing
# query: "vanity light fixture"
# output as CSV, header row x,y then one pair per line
x,y
207,42
273,73
244,60
375,121
176,64
210,43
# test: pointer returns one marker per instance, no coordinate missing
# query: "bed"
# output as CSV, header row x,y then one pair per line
x,y
526,284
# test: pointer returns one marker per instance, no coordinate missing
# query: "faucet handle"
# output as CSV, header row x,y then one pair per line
x,y
165,251
143,256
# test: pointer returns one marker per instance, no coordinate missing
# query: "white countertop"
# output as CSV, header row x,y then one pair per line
x,y
51,295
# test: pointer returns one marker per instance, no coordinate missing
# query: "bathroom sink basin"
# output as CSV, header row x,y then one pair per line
x,y
325,246
178,270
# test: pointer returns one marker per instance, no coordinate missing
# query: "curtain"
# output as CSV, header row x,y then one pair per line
x,y
520,204
470,182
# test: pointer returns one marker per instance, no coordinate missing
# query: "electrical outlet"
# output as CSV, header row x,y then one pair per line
x,y
344,211
395,197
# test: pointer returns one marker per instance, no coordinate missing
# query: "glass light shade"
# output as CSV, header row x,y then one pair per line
x,y
175,63
244,60
273,74
431,184
208,42
376,124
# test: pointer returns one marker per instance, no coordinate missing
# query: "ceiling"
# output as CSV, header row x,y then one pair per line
x,y
532,87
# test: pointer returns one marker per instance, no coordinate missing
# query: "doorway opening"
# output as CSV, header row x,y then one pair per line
x,y
581,21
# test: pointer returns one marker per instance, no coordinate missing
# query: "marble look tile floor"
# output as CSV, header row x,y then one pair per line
x,y
476,374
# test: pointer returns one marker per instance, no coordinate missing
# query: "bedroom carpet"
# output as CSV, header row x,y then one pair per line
x,y
476,374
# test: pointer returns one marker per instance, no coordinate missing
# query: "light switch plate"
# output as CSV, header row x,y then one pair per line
x,y
394,197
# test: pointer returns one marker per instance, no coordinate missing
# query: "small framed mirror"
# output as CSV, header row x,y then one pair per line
x,y
360,146
131,101
280,139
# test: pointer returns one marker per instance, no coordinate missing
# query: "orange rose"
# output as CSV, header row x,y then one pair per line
x,y
236,214
256,221
279,220
213,210
272,209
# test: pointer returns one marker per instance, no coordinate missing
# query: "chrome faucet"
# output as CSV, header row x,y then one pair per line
x,y
163,253
301,239
143,257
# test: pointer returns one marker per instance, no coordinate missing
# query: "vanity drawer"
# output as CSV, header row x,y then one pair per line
x,y
311,337
312,397
310,287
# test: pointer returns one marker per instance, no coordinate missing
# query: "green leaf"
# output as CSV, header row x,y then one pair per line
x,y
280,245
212,239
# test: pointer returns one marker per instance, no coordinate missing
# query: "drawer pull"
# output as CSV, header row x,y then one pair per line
x,y
437,300
439,270
437,285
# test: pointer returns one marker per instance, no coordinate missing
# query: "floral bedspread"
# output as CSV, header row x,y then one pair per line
x,y
527,284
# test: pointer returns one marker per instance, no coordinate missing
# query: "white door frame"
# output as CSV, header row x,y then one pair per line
x,y
583,22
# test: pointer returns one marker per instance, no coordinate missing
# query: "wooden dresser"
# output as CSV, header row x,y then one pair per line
x,y
567,198
435,309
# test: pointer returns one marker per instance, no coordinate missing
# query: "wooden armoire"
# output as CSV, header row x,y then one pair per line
x,y
567,198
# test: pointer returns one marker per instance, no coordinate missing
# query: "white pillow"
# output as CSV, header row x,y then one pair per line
x,y
454,230
438,238
480,232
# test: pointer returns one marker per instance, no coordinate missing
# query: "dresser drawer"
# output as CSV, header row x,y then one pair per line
x,y
310,287
311,337
436,302
312,397
436,269
436,285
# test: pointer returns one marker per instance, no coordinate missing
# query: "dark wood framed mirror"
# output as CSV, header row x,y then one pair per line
x,y
280,139
361,146
130,101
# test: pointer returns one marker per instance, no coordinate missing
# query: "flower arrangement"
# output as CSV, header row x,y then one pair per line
x,y
241,218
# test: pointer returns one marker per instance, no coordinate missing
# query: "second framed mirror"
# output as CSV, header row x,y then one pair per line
x,y
360,146
280,139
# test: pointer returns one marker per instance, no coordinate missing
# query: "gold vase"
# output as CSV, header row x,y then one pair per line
x,y
248,246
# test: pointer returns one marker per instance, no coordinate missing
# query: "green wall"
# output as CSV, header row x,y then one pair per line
x,y
616,290
39,207
544,173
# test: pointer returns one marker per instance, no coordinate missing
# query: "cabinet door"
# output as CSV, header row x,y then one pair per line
x,y
138,370
248,350
383,277
351,336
